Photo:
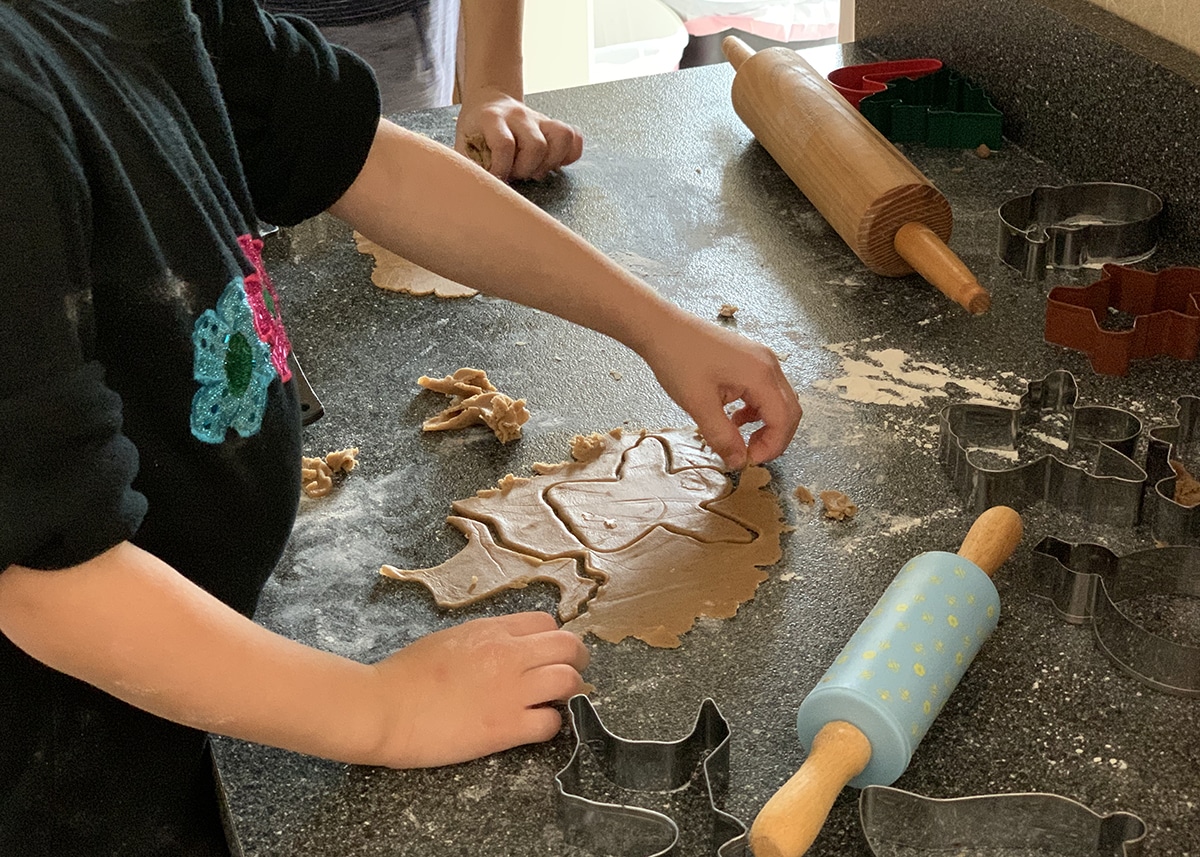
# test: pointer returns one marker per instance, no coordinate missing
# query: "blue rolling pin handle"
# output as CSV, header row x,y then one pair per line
x,y
893,676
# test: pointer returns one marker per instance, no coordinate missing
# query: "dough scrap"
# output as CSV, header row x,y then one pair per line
x,y
316,474
727,311
838,506
643,533
804,496
396,274
476,401
1187,487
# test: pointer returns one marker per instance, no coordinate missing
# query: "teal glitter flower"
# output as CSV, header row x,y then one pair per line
x,y
233,367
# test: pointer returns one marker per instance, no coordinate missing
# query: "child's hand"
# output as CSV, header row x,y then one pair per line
x,y
523,143
704,367
476,689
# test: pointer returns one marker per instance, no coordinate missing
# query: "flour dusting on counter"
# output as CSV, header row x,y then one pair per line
x,y
891,377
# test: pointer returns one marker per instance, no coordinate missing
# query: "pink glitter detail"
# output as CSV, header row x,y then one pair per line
x,y
268,321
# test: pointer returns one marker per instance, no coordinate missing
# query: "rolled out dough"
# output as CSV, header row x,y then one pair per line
x,y
397,274
643,533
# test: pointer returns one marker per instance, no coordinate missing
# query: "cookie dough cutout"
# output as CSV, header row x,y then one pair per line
x,y
316,474
838,506
483,568
396,274
650,518
475,402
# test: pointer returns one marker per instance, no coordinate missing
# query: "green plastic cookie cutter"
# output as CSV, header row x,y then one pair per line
x,y
939,109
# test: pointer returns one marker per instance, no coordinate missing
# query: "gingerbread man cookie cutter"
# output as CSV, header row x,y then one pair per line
x,y
1019,823
621,830
1087,583
1110,493
1078,226
1171,522
1165,307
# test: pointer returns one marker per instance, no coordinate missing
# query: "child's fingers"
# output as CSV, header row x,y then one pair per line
x,y
524,624
552,683
556,647
720,433
538,724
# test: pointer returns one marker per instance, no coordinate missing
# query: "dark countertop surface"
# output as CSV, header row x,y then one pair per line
x,y
673,186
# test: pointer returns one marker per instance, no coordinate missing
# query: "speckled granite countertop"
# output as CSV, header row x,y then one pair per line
x,y
673,186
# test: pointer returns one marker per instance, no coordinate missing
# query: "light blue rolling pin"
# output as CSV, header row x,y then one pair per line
x,y
869,711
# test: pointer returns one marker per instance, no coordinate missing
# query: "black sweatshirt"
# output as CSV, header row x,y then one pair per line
x,y
144,388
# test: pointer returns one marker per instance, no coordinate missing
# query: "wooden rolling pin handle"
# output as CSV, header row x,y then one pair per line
x,y
794,815
992,538
929,256
736,51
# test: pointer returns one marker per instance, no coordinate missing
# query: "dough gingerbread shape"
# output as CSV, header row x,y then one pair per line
x,y
649,520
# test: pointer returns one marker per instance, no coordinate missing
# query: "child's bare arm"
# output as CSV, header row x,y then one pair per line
x,y
132,626
417,198
523,143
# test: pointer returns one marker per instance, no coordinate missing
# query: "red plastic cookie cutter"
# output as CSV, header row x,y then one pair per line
x,y
856,82
1165,306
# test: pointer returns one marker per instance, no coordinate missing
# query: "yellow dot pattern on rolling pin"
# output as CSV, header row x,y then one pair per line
x,y
931,621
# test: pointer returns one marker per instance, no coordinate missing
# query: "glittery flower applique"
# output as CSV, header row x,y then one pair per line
x,y
233,366
264,303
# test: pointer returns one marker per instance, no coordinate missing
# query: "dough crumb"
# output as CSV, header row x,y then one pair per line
x,y
615,375
1187,487
503,485
479,151
316,474
585,448
838,506
983,151
727,311
476,401
804,495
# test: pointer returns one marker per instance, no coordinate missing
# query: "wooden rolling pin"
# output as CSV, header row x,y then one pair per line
x,y
866,715
892,217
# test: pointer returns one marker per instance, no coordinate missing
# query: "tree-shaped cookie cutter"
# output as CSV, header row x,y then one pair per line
x,y
1018,823
1078,226
1165,306
651,766
1109,493
940,108
1086,583
1172,522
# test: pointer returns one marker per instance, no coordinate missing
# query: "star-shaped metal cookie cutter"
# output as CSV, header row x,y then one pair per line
x,y
621,830
1110,493
1088,582
1019,823
1078,226
1172,522
1165,306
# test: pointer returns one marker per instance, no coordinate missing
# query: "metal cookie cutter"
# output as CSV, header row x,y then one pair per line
x,y
1028,823
1111,493
1165,307
1086,582
653,766
1078,226
1172,522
